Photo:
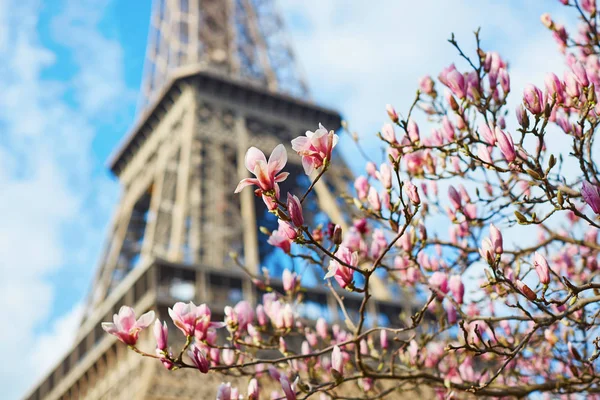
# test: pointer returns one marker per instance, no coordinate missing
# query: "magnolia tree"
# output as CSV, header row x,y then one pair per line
x,y
506,315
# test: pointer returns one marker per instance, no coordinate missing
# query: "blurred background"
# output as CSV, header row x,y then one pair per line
x,y
70,71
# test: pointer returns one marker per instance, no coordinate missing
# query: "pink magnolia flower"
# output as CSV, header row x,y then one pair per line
x,y
506,145
504,80
412,192
554,87
279,238
487,134
378,243
295,210
533,99
315,148
125,327
391,113
321,328
591,195
342,274
361,184
580,73
451,313
487,250
448,129
456,83
385,175
454,197
267,174
186,316
439,281
484,154
383,339
387,132
337,361
522,117
426,85
253,391
371,169
373,199
457,288
541,267
413,130
287,387
199,359
224,391
161,334
245,314
496,239
572,88
289,280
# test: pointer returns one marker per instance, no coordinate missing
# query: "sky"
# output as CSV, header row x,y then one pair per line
x,y
69,76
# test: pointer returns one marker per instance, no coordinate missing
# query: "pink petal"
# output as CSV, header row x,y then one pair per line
x,y
300,143
282,177
252,156
145,320
246,182
261,171
109,327
278,159
126,318
308,164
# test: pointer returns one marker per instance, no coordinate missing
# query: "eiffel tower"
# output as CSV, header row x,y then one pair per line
x,y
220,76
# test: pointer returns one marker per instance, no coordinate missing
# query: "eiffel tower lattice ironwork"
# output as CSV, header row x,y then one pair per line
x,y
219,77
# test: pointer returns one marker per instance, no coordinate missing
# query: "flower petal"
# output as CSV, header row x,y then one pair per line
x,y
277,159
145,320
300,143
245,182
282,177
126,318
308,165
109,327
252,156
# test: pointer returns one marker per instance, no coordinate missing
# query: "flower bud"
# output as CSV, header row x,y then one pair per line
x,y
253,389
392,113
387,132
591,195
580,73
454,197
289,280
337,361
413,130
337,235
426,85
383,339
533,99
457,288
412,192
198,358
527,292
161,333
373,199
506,145
541,267
496,239
522,117
295,210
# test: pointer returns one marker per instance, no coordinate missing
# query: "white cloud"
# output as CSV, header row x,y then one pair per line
x,y
46,174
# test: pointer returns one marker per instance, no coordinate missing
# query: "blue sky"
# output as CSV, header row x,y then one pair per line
x,y
69,77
